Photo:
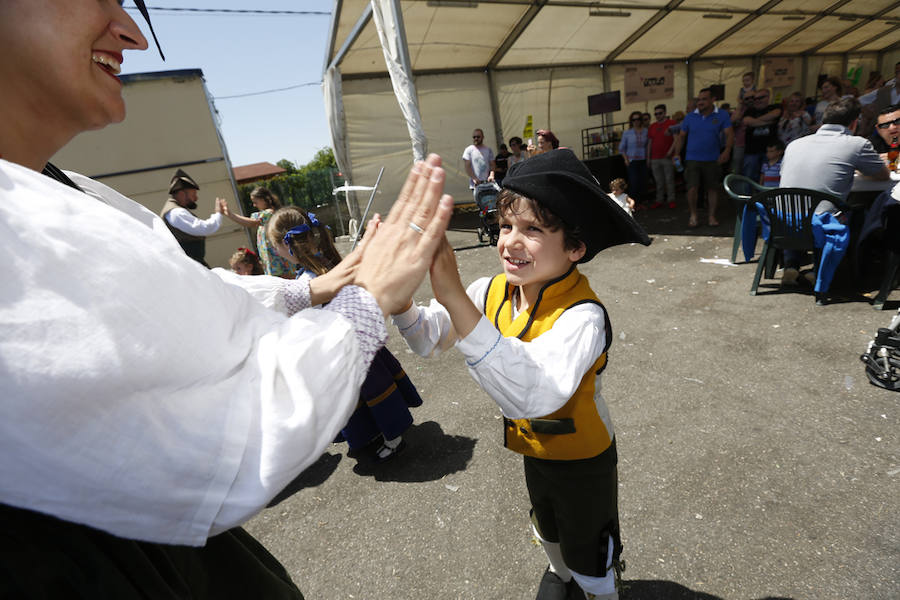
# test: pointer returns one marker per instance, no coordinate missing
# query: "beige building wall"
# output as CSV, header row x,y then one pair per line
x,y
169,125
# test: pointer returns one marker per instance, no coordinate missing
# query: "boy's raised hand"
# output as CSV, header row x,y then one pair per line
x,y
445,281
450,292
396,258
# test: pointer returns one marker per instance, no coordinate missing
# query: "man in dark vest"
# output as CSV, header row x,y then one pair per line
x,y
189,230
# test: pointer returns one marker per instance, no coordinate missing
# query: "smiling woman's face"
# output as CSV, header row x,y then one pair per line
x,y
61,58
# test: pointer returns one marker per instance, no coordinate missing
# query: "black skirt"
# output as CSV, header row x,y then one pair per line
x,y
44,557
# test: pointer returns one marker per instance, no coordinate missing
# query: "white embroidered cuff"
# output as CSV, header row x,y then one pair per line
x,y
358,305
296,295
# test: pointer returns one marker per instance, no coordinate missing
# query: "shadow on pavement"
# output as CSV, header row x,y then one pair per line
x,y
314,475
647,589
430,455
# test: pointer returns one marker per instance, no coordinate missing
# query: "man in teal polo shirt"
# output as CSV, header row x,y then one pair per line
x,y
703,129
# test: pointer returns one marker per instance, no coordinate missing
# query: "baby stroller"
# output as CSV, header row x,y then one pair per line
x,y
882,357
486,199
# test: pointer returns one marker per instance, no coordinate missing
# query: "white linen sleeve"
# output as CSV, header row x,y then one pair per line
x,y
287,296
243,501
177,405
428,331
183,220
536,378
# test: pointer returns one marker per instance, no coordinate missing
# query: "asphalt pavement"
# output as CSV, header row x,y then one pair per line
x,y
755,459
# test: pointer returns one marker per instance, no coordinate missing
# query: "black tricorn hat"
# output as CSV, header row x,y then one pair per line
x,y
180,181
564,185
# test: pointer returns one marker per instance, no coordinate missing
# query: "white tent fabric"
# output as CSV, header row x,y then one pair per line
x,y
334,112
393,42
491,63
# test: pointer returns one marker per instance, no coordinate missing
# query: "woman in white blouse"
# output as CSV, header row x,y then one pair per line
x,y
150,407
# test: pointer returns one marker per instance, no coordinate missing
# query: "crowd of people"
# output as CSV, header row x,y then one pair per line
x,y
711,139
814,143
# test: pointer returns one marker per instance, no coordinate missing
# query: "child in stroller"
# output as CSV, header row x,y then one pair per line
x,y
486,200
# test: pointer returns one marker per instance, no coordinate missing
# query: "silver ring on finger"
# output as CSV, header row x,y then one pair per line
x,y
416,228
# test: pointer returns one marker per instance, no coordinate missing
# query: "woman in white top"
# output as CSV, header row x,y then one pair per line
x,y
150,407
795,121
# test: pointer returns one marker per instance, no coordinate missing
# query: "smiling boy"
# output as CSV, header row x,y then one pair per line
x,y
535,338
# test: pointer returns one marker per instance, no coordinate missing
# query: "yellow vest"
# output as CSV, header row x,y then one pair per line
x,y
576,430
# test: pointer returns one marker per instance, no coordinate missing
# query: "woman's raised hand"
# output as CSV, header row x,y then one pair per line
x,y
396,258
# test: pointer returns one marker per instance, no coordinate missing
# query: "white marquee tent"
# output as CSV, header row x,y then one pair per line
x,y
405,77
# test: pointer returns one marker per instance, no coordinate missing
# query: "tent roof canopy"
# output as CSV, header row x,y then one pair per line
x,y
475,35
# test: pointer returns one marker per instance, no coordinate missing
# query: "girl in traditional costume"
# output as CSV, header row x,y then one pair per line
x,y
387,393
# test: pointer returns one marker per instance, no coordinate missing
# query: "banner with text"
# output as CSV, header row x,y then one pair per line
x,y
778,72
649,82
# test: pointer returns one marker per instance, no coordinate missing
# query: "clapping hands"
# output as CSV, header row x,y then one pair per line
x,y
399,253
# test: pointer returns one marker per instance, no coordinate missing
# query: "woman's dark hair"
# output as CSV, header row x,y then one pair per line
x,y
510,202
631,118
267,195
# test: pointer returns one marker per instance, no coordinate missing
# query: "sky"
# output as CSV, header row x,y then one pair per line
x,y
245,53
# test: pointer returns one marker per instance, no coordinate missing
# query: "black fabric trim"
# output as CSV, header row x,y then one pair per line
x,y
537,302
553,426
607,326
54,172
502,302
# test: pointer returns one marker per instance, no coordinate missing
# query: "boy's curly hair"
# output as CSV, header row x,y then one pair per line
x,y
510,202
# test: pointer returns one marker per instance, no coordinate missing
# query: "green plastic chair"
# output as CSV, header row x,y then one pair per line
x,y
740,189
790,213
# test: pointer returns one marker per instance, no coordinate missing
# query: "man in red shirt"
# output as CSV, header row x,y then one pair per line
x,y
660,152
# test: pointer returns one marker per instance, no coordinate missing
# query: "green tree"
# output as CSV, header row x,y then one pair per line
x,y
323,159
287,166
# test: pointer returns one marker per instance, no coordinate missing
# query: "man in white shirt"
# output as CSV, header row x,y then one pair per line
x,y
479,160
188,229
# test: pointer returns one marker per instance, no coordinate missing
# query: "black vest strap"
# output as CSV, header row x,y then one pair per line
x,y
54,172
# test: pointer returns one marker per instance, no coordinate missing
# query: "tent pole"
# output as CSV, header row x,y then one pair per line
x,y
495,108
549,97
361,23
607,117
804,76
403,44
690,82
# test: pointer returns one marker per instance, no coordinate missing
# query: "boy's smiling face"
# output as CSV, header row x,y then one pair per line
x,y
530,252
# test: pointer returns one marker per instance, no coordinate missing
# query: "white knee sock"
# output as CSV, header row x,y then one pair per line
x,y
554,555
600,587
